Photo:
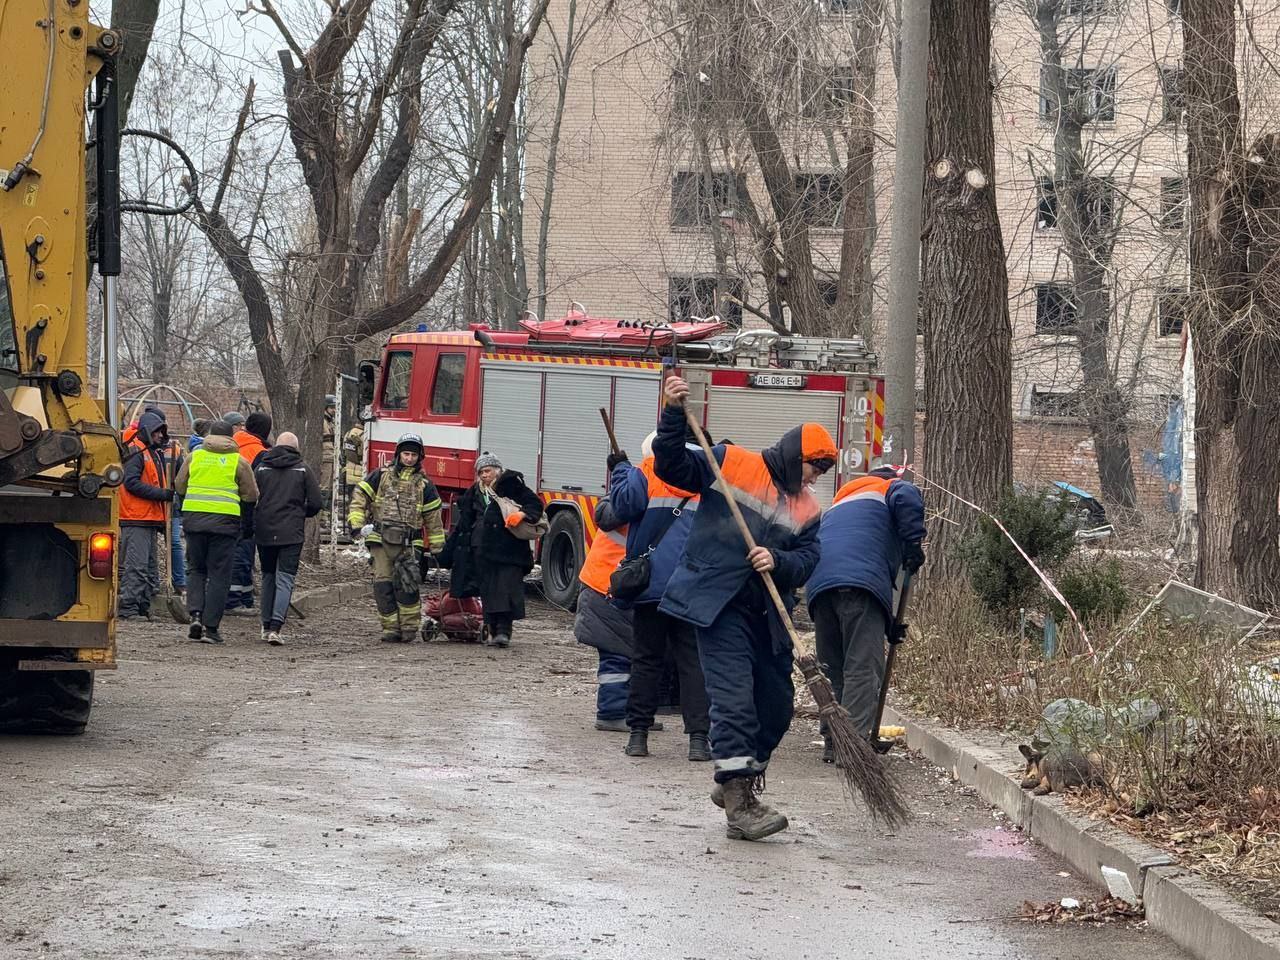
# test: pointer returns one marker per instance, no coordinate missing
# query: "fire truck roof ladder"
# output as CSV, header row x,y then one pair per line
x,y
747,347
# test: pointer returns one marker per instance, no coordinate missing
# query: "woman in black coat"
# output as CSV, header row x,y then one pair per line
x,y
487,560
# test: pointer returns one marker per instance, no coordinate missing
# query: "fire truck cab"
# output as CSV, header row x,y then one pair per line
x,y
532,398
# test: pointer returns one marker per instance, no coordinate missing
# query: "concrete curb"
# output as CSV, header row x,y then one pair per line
x,y
1190,911
312,601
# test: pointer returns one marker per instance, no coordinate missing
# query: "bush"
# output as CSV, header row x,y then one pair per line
x,y
1000,576
1095,588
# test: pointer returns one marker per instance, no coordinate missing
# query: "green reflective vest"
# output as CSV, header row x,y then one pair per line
x,y
211,486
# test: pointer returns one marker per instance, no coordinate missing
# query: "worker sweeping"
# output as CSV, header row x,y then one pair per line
x,y
874,526
743,646
390,508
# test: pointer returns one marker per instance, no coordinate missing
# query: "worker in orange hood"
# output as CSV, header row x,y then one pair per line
x,y
253,443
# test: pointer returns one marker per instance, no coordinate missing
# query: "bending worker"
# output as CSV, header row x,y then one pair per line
x,y
874,526
744,648
390,508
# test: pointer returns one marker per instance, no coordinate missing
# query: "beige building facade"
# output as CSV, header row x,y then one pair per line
x,y
621,243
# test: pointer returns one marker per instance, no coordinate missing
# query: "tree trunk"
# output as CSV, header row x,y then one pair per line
x,y
1234,322
161,307
1088,246
136,21
968,341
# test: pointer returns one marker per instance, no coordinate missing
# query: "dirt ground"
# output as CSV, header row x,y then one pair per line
x,y
342,798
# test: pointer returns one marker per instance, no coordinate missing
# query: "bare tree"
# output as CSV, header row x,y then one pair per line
x,y
1086,217
780,100
1234,322
967,336
336,109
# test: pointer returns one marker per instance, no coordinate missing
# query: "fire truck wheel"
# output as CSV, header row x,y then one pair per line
x,y
562,555
43,701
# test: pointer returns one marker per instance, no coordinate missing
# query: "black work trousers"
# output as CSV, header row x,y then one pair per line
x,y
209,559
653,633
850,627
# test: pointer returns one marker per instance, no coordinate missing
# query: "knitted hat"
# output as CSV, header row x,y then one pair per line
x,y
487,459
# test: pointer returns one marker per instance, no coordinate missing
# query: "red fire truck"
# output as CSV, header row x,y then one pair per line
x,y
533,397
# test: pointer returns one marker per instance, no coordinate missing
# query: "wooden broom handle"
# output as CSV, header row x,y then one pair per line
x,y
608,427
766,576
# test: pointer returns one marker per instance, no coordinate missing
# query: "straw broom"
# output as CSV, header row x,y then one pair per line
x,y
863,772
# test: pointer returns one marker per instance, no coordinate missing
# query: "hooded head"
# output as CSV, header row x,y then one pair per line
x,y
646,448
148,424
259,424
158,412
287,439
809,443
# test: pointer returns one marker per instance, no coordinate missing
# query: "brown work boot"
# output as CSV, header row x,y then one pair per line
x,y
748,818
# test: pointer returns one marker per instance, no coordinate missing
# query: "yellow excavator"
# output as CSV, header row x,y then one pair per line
x,y
60,452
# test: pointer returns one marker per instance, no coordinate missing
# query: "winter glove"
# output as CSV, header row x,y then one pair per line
x,y
515,520
616,458
168,495
913,557
366,530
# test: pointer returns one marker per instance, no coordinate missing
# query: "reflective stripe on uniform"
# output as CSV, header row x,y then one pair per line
x,y
373,494
613,678
734,764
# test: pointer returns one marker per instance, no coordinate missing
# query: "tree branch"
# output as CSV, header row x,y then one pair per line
x,y
233,150
429,281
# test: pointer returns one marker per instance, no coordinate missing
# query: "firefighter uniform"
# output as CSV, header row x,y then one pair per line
x,y
327,437
744,649
353,455
394,504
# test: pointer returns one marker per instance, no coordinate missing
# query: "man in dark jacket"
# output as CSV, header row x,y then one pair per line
x,y
144,500
874,526
745,650
217,490
287,495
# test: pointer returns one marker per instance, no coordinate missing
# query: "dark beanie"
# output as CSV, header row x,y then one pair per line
x,y
220,428
259,424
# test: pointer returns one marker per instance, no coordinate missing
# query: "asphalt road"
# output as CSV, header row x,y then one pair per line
x,y
343,798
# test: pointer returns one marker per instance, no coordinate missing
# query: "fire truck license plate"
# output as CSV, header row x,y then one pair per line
x,y
793,381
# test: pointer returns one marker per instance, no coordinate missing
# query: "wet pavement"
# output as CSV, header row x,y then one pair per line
x,y
342,798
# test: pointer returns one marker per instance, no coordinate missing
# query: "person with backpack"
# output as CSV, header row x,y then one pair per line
x,y
287,495
390,508
659,519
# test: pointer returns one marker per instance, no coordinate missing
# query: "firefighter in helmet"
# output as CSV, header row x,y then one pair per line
x,y
389,508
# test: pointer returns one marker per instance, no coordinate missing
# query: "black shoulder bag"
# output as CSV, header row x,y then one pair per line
x,y
631,579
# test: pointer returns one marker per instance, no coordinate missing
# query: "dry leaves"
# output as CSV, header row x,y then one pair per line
x,y
1106,910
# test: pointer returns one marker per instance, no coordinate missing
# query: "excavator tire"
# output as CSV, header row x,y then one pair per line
x,y
43,701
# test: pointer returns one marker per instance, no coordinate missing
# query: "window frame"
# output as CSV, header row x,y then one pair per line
x,y
695,285
1178,97
808,199
1047,208
1059,294
1177,297
441,358
390,371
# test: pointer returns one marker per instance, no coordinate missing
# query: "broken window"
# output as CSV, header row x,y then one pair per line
x,y
821,197
1055,403
690,297
696,198
1175,99
1055,309
1046,204
1171,308
1173,203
